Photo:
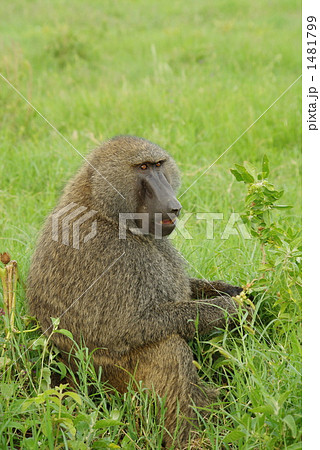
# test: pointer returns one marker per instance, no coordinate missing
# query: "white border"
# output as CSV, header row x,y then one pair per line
x,y
311,247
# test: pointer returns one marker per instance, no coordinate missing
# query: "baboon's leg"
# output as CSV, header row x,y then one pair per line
x,y
167,367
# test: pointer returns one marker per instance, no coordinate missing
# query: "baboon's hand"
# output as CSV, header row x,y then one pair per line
x,y
209,289
215,313
231,290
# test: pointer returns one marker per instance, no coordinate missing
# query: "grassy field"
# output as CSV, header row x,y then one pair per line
x,y
192,77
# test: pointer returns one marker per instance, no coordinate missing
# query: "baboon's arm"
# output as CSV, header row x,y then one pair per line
x,y
209,289
183,318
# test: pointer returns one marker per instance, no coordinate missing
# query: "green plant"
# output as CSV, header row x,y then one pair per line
x,y
66,424
260,203
280,246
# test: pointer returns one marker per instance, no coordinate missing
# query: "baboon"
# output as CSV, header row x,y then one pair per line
x,y
130,298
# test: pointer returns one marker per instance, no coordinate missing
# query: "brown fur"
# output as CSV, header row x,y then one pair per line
x,y
138,309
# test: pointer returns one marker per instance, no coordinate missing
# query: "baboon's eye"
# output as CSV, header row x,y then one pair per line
x,y
158,164
143,166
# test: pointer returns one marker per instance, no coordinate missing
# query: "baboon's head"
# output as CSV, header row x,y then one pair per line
x,y
136,177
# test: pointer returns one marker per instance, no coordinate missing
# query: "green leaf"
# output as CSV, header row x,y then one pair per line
x,y
196,364
290,422
276,240
265,409
46,378
234,436
82,429
254,233
50,392
39,399
224,353
105,423
247,178
249,329
35,400
236,174
64,332
63,369
251,169
283,397
267,218
17,425
26,404
263,268
103,443
74,395
81,417
216,339
39,342
278,194
4,361
55,321
67,423
282,206
7,390
55,400
265,166
115,414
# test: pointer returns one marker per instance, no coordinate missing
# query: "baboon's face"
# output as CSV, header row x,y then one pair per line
x,y
145,176
157,199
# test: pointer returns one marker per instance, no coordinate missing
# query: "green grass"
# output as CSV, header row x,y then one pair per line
x,y
192,77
